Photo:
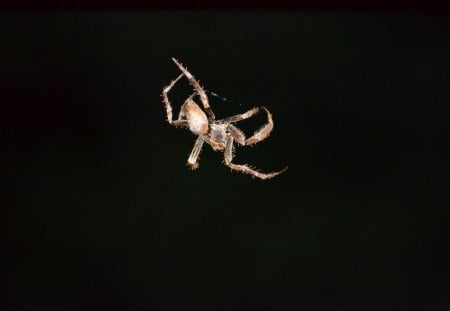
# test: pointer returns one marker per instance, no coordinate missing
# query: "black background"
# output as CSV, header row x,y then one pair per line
x,y
102,213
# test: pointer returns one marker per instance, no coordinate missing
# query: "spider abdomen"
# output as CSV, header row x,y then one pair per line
x,y
197,120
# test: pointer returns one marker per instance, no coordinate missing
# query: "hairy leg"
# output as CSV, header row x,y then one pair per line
x,y
198,88
244,168
263,132
237,134
193,157
166,100
242,116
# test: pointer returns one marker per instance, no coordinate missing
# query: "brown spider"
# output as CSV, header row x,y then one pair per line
x,y
219,134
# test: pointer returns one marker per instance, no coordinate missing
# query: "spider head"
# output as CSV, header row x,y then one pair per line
x,y
217,145
217,136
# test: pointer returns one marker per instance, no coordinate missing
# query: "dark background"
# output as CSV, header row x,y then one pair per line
x,y
100,211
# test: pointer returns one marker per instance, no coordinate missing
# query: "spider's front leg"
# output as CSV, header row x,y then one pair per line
x,y
198,88
193,157
168,106
244,168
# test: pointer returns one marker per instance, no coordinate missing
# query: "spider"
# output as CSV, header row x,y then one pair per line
x,y
219,134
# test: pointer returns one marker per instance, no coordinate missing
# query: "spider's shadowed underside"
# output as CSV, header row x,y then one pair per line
x,y
219,134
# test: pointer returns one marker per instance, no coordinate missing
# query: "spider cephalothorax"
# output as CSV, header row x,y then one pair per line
x,y
219,134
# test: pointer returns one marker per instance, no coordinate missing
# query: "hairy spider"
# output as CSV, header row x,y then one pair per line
x,y
219,134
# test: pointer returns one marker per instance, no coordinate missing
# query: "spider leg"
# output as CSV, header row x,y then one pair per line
x,y
263,132
242,116
234,131
193,157
237,134
166,100
180,121
198,88
244,168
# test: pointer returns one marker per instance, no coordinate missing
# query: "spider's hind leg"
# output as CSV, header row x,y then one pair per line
x,y
241,116
244,168
263,132
237,134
